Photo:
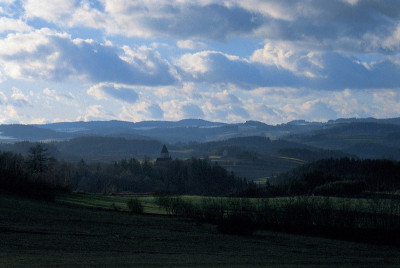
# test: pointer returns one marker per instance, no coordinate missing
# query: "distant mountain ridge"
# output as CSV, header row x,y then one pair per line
x,y
393,121
91,125
251,149
187,130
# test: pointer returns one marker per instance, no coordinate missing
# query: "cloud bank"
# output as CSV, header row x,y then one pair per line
x,y
266,60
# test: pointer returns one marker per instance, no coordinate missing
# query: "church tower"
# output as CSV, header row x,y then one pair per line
x,y
164,155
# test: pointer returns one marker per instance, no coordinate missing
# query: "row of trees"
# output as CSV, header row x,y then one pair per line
x,y
38,173
194,176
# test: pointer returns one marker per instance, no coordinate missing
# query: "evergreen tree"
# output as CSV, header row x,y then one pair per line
x,y
38,158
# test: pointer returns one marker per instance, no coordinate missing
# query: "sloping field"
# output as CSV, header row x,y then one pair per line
x,y
40,234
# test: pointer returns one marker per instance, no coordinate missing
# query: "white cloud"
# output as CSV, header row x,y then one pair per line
x,y
50,56
49,92
318,59
39,121
225,97
19,98
214,67
95,112
69,13
143,110
273,9
386,103
194,63
119,92
202,19
25,42
54,95
342,24
8,24
392,42
54,11
5,6
9,115
274,66
8,2
3,98
317,110
190,44
351,2
97,92
286,56
28,55
264,113
172,109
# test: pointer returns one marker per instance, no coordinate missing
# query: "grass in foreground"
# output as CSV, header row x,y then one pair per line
x,y
38,234
109,202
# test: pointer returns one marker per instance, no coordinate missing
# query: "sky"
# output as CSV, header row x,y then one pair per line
x,y
229,61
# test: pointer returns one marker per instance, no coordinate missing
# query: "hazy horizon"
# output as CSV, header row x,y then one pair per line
x,y
232,61
212,121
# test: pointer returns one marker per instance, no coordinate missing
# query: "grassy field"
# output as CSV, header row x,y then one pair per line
x,y
76,231
118,202
109,202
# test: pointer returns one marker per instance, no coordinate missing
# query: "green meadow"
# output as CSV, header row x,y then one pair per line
x,y
119,202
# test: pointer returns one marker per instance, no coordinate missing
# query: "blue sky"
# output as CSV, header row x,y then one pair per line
x,y
230,61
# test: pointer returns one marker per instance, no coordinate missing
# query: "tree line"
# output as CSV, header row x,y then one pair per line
x,y
194,176
339,177
39,172
33,176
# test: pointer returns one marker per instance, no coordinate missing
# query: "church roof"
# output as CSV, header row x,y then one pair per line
x,y
164,150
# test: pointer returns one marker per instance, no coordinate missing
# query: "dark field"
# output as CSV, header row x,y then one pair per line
x,y
38,234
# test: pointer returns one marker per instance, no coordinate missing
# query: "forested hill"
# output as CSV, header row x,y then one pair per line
x,y
364,139
343,177
251,149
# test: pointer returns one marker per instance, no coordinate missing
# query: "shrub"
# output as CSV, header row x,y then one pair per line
x,y
212,209
239,224
183,208
341,188
177,206
135,206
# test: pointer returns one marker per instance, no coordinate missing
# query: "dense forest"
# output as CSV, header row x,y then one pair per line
x,y
251,157
37,173
340,177
40,174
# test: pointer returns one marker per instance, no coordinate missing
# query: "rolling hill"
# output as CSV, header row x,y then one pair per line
x,y
251,149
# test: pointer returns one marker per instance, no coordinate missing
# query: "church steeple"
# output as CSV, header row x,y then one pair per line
x,y
164,155
164,152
